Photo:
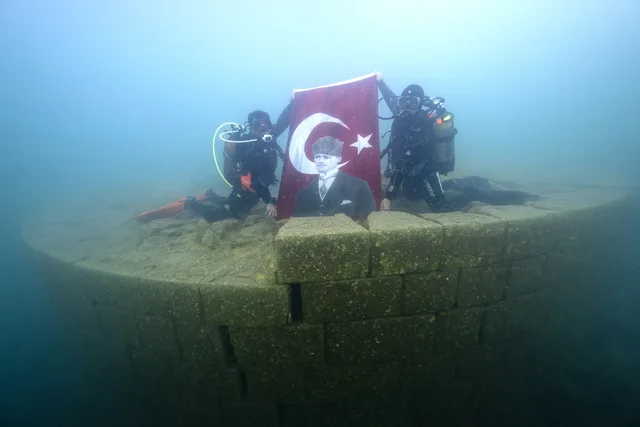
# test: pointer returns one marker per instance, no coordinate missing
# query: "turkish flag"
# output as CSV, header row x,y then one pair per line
x,y
348,111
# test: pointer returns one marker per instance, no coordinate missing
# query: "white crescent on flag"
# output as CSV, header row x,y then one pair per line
x,y
298,158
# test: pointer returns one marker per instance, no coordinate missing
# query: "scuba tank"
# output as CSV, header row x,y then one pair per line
x,y
264,146
445,132
229,167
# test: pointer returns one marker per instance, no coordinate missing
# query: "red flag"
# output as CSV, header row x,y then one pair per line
x,y
347,111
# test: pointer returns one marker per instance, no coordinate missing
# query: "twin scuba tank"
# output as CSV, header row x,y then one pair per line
x,y
445,132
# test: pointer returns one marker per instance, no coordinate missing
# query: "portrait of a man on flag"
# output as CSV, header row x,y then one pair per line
x,y
332,162
349,195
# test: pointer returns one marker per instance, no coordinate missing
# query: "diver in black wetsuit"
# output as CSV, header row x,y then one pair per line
x,y
250,169
420,147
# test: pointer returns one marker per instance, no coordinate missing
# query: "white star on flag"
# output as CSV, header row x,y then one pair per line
x,y
363,142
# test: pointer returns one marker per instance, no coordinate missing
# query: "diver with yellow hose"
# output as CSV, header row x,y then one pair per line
x,y
251,155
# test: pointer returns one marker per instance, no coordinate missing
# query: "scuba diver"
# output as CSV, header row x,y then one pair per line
x,y
421,146
251,158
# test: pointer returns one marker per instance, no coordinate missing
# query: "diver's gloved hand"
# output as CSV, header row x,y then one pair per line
x,y
378,76
271,211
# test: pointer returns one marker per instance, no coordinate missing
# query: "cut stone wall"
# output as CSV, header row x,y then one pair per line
x,y
406,320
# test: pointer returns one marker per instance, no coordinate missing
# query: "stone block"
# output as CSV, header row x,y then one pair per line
x,y
79,316
119,332
481,285
229,382
313,414
605,220
159,351
203,356
521,318
347,382
595,234
192,405
402,243
66,294
157,335
108,288
530,231
479,362
356,299
447,404
313,249
380,340
287,346
238,301
429,372
275,383
237,413
97,351
383,410
470,240
458,329
200,343
169,298
111,353
430,292
372,411
582,291
561,269
49,267
526,276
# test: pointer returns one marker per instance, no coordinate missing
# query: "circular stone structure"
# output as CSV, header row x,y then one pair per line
x,y
402,320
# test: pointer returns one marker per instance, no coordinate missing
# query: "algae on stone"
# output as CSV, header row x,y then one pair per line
x,y
380,340
200,342
480,361
356,299
402,243
459,329
312,249
237,301
470,240
432,371
481,285
530,231
248,413
270,382
176,299
119,333
339,382
159,341
288,346
430,292
518,318
527,276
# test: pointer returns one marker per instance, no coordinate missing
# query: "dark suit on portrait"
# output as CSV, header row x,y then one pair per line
x,y
347,195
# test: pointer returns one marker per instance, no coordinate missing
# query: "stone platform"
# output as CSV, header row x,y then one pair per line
x,y
402,320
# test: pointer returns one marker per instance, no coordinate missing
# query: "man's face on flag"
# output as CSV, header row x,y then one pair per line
x,y
325,163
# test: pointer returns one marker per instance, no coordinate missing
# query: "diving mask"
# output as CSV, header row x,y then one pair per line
x,y
260,127
409,102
